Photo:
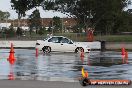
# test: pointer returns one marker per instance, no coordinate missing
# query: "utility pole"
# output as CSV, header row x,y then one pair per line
x,y
18,24
62,25
42,22
6,20
6,24
52,26
13,22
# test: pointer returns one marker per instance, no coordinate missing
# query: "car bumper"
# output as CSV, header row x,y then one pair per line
x,y
87,50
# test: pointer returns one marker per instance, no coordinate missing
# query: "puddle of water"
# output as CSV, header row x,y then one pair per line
x,y
64,66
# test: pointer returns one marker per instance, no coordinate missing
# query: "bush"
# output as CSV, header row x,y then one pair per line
x,y
42,31
9,32
19,31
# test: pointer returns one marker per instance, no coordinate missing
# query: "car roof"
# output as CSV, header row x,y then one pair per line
x,y
58,36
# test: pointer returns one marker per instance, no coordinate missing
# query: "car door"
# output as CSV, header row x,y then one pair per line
x,y
67,45
54,43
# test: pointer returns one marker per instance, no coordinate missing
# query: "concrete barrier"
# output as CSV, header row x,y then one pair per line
x,y
17,44
31,44
92,45
118,45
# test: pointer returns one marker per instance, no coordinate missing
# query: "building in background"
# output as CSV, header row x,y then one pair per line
x,y
5,25
68,23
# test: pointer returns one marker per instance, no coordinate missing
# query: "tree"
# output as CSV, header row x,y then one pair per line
x,y
21,6
41,31
56,24
108,14
9,32
35,21
4,15
99,14
19,31
123,23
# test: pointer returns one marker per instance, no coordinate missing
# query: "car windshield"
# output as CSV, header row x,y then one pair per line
x,y
71,41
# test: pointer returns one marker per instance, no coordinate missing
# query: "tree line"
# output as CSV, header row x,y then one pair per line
x,y
4,15
106,16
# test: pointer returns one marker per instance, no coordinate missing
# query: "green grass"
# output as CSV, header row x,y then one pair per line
x,y
77,37
115,38
109,38
83,37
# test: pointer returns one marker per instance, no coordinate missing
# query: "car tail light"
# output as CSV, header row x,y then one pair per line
x,y
37,44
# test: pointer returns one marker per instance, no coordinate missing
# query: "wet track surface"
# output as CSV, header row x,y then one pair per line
x,y
64,66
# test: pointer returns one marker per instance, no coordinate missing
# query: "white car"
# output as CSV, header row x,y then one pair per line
x,y
60,44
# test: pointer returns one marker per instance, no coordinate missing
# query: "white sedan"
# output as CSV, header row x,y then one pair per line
x,y
60,44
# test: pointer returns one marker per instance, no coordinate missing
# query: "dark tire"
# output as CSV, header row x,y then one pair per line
x,y
79,49
85,82
46,49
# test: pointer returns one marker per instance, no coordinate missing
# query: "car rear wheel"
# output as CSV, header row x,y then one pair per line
x,y
46,49
79,49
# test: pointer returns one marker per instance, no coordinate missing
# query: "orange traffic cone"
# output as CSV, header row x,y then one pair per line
x,y
11,58
36,52
12,49
123,51
82,59
82,53
11,74
86,74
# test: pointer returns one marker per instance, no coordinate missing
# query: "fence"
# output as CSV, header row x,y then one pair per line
x,y
74,36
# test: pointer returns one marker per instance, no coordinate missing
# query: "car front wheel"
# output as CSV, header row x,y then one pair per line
x,y
79,49
46,49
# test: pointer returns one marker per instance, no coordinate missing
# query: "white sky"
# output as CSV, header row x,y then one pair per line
x,y
6,6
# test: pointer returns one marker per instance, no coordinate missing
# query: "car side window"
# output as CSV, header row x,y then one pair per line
x,y
54,40
64,40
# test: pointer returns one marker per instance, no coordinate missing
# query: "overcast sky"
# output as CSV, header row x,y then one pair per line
x,y
6,6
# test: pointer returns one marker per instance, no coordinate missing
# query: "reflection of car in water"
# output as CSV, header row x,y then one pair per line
x,y
61,44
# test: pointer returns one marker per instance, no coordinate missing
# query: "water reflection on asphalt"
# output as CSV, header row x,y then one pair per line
x,y
64,66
